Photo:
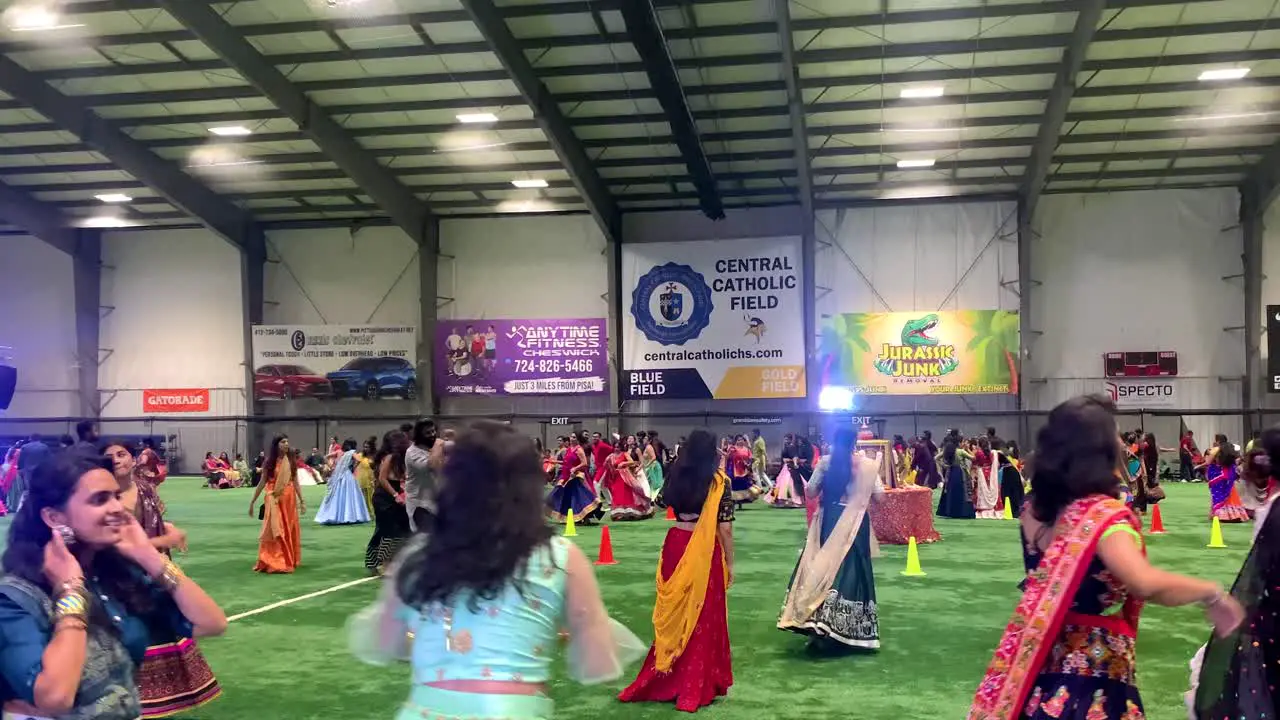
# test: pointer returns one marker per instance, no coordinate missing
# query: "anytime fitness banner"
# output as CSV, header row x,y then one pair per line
x,y
713,319
921,353
521,357
334,362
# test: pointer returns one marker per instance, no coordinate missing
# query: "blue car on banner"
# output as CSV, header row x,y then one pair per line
x,y
373,378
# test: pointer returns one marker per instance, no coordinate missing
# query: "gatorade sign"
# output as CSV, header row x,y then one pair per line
x,y
175,401
1142,393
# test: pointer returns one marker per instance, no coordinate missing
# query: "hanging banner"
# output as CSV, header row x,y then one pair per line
x,y
1273,348
175,401
521,357
1128,394
716,319
334,362
921,353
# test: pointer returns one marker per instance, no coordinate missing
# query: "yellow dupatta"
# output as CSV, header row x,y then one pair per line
x,y
681,597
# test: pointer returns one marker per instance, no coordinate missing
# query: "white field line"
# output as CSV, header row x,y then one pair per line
x,y
300,598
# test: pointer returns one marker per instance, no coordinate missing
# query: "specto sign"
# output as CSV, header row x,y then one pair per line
x,y
1141,393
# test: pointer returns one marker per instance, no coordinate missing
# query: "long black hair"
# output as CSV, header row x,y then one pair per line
x,y
1077,455
394,445
689,479
493,472
949,447
1227,454
53,482
273,457
835,482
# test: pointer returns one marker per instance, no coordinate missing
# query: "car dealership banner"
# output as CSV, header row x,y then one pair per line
x,y
521,357
334,362
1138,394
713,319
921,353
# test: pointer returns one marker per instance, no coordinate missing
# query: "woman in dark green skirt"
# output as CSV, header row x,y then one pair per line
x,y
832,595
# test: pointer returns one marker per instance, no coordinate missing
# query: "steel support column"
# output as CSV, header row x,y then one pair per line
x,y
1251,226
645,31
1025,286
546,110
374,179
253,262
804,182
428,312
1055,112
87,291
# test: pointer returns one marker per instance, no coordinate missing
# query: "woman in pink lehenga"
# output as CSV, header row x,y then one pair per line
x,y
629,499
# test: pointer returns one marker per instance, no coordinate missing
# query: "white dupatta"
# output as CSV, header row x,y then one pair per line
x,y
820,561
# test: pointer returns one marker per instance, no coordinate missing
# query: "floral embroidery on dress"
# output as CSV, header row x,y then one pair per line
x,y
1033,704
1058,703
849,619
1133,712
1098,708
461,642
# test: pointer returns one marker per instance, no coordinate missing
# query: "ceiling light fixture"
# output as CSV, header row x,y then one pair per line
x,y
114,198
1224,74
477,118
927,163
466,148
107,221
230,131
526,184
921,92
35,19
1225,116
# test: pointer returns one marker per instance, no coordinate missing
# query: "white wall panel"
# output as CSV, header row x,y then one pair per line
x,y
523,267
915,257
38,324
174,319
340,276
1140,271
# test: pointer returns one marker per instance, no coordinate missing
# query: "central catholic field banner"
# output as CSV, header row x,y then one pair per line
x,y
921,353
720,319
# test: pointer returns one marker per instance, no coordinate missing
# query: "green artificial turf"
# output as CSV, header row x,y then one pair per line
x,y
937,631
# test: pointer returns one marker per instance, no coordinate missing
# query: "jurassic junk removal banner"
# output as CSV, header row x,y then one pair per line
x,y
332,362
521,357
921,353
713,319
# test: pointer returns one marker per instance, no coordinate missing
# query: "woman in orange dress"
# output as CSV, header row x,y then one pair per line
x,y
280,545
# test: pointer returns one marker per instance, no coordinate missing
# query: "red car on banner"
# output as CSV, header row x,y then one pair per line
x,y
286,382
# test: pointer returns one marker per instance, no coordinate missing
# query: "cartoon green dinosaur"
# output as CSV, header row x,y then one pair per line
x,y
915,334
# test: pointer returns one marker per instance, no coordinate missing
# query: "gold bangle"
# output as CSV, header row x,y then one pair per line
x,y
171,576
71,622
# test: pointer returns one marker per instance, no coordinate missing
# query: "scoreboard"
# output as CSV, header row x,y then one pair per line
x,y
1152,363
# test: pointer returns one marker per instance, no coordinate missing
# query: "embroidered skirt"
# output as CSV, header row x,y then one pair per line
x,y
574,495
847,617
1089,675
174,677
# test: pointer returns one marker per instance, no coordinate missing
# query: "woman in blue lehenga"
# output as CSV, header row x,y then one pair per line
x,y
957,487
344,503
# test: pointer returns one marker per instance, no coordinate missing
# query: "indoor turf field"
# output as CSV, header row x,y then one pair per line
x,y
937,632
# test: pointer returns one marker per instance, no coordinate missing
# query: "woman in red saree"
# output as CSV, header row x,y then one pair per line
x,y
149,464
1068,652
629,501
280,544
689,662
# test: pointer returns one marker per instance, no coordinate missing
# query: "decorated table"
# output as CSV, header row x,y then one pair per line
x,y
904,512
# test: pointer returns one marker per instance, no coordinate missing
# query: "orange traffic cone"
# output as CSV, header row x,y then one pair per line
x,y
671,514
606,548
1157,523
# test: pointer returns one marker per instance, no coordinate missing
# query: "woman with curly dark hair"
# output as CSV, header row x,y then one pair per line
x,y
391,521
479,606
84,592
690,661
1068,652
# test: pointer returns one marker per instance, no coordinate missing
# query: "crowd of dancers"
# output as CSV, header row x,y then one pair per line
x,y
99,623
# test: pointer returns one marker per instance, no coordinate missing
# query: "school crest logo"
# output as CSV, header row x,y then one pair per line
x,y
671,304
